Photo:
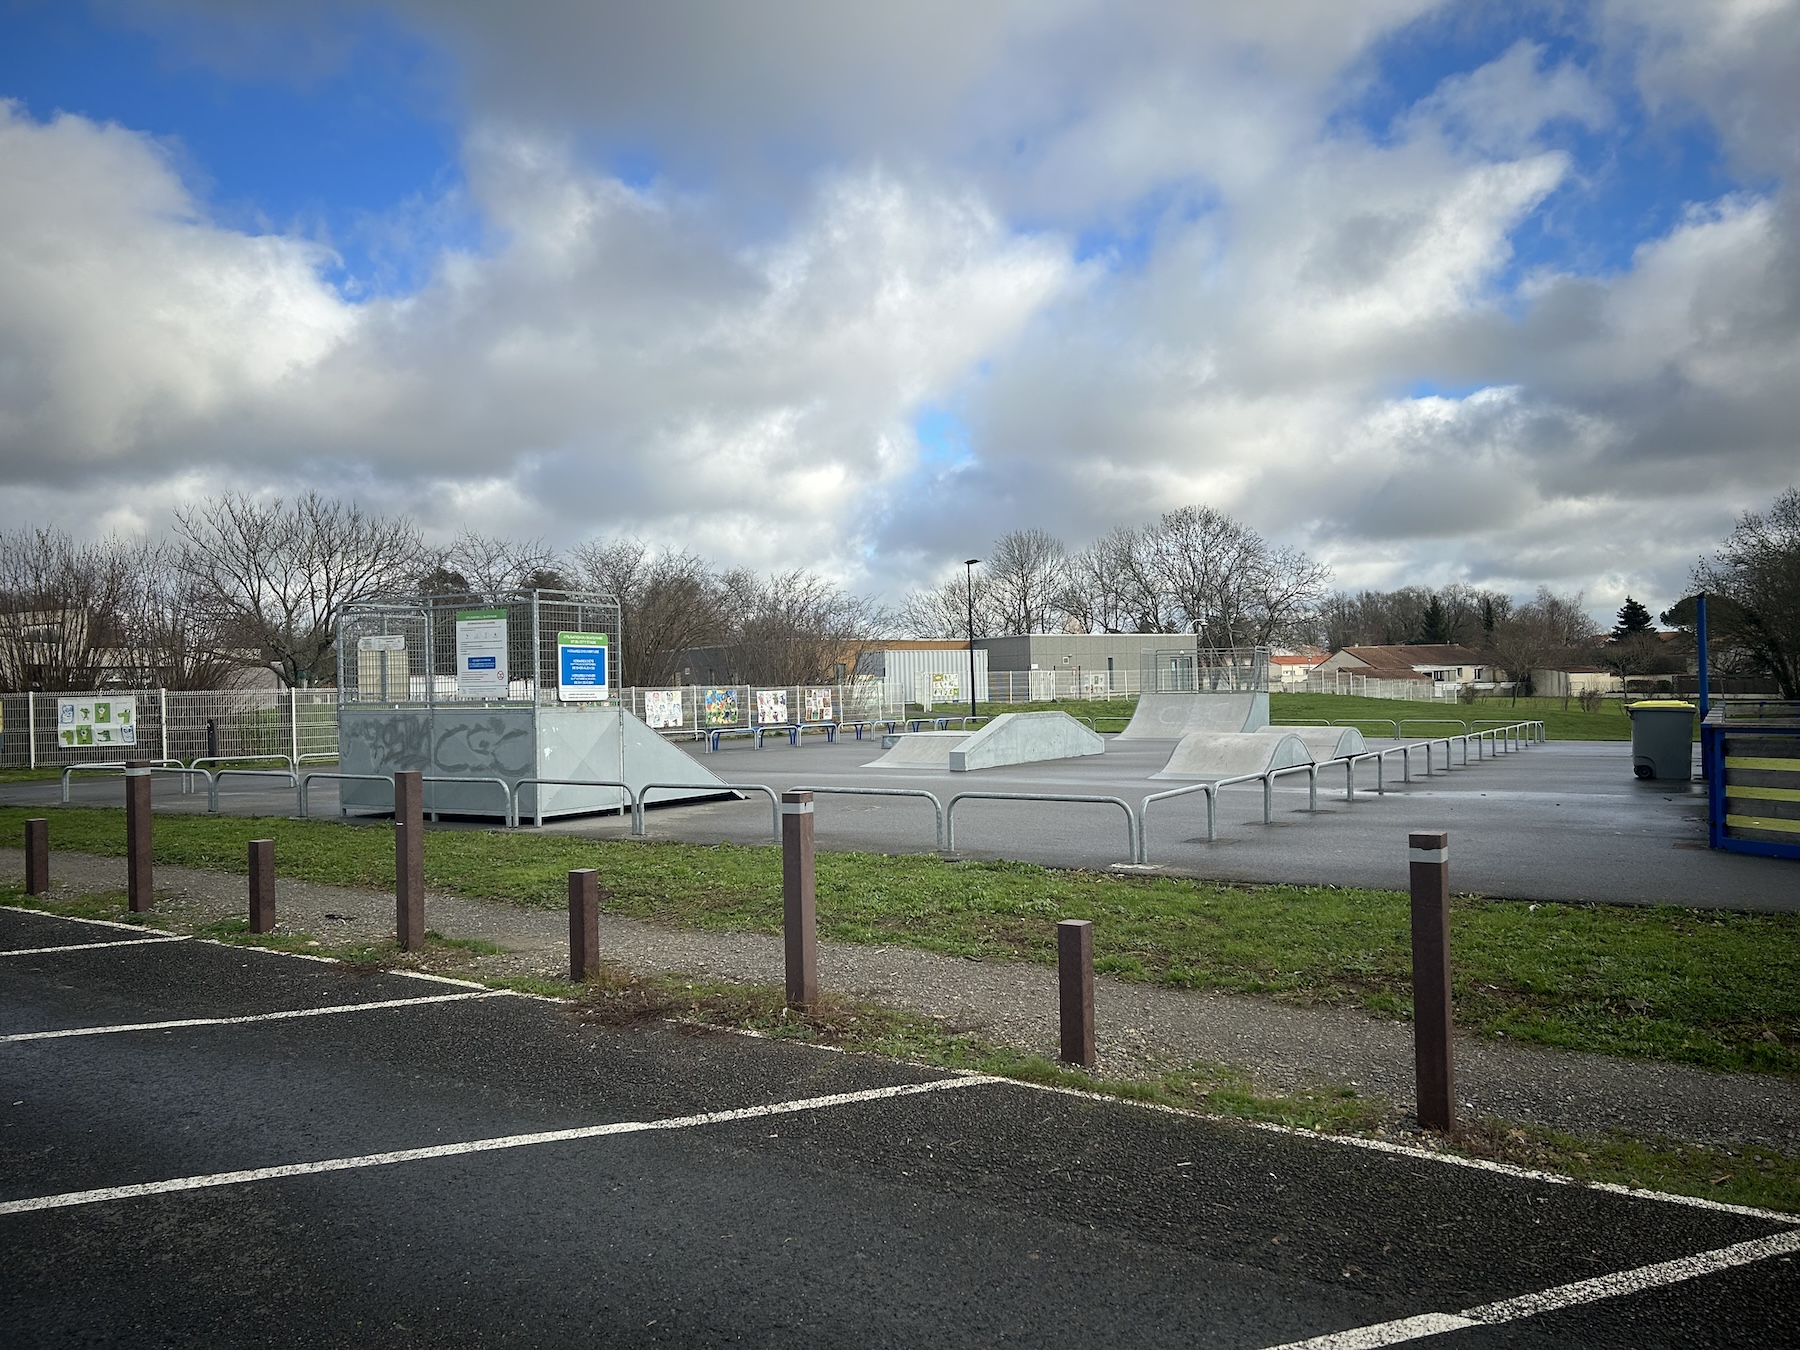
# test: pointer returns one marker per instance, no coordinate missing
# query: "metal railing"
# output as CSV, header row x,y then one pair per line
x,y
505,794
637,809
212,786
306,778
630,802
1131,820
937,806
159,765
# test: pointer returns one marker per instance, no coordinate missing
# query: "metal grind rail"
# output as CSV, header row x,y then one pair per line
x,y
937,806
1131,819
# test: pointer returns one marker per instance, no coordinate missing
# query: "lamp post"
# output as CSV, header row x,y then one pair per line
x,y
969,589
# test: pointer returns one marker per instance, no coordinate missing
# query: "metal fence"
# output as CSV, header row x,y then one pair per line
x,y
39,730
1349,682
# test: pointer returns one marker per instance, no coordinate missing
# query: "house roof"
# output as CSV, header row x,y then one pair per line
x,y
1409,657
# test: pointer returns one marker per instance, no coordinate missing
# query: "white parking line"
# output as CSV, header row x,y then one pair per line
x,y
1553,1300
95,1197
253,1017
95,946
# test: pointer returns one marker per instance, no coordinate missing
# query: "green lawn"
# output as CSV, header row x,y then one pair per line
x,y
1702,987
1610,723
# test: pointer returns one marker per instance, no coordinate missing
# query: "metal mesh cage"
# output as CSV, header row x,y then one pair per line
x,y
536,647
1205,670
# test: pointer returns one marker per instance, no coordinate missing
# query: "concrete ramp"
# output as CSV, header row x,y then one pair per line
x,y
921,750
1324,742
1228,754
1011,738
1169,717
1025,738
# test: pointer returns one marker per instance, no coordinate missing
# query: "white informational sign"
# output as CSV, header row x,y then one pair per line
x,y
771,707
945,688
481,653
96,721
662,708
581,667
818,705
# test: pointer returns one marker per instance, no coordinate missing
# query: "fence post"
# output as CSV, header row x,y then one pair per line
x,y
262,885
1075,990
799,926
31,727
137,836
162,721
584,923
409,860
37,857
1429,863
294,723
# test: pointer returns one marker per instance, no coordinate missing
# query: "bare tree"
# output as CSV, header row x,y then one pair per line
x,y
797,628
1027,574
669,602
1549,627
274,575
943,611
62,605
494,568
1756,572
1456,613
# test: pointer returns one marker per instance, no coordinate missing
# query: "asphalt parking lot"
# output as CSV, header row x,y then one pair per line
x,y
210,1144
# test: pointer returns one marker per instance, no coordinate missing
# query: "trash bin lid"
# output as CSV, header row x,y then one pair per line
x,y
1661,703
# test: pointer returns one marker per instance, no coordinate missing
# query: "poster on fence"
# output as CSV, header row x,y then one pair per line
x,y
771,707
721,707
481,653
818,705
96,721
662,708
945,688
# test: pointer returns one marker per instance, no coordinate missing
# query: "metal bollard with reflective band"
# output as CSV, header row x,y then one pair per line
x,y
1433,1054
799,925
584,923
1075,990
37,856
138,879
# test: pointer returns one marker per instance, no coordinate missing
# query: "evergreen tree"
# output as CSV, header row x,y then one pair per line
x,y
1633,619
1436,626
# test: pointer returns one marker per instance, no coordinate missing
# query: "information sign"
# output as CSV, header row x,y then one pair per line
x,y
581,667
481,653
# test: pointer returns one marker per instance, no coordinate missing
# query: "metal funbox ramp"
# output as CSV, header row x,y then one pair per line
x,y
1011,738
476,688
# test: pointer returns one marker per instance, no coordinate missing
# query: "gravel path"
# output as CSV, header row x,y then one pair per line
x,y
1140,1026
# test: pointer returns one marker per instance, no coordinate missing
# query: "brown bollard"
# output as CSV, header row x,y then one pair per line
x,y
584,923
138,883
37,857
799,918
1075,989
262,885
409,860
1433,1055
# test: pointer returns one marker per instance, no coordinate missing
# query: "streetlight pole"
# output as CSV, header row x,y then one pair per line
x,y
969,588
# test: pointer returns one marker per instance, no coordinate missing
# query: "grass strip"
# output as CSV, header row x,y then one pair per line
x,y
1701,987
617,998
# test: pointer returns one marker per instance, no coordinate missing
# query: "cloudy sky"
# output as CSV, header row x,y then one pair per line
x,y
1504,292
